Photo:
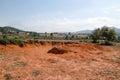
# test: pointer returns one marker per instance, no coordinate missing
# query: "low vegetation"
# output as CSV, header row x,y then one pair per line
x,y
110,74
7,41
104,35
36,73
20,64
10,68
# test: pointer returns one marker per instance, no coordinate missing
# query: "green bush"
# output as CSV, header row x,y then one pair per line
x,y
17,42
7,41
4,41
105,33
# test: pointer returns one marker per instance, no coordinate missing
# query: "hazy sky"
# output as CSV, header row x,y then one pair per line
x,y
59,15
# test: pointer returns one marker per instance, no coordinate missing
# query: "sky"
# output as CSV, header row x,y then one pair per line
x,y
59,15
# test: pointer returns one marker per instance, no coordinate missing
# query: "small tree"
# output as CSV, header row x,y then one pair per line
x,y
72,37
108,34
66,37
96,35
105,33
52,35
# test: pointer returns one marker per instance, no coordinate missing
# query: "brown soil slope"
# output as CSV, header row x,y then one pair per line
x,y
79,62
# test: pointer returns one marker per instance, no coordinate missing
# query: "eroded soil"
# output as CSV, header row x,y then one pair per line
x,y
82,61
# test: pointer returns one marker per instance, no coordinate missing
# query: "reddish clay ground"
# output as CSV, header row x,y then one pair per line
x,y
82,61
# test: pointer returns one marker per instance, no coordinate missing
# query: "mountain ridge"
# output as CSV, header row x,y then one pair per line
x,y
9,28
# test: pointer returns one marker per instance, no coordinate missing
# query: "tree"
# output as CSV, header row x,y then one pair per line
x,y
96,35
5,36
52,35
45,36
105,33
72,37
35,35
66,37
108,34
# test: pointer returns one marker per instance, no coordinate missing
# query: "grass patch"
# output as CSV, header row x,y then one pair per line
x,y
110,74
36,73
52,60
17,58
15,65
3,58
20,64
10,68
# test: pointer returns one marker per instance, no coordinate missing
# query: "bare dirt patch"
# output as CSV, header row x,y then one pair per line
x,y
81,61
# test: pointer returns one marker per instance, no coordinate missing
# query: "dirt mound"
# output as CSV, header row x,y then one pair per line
x,y
56,50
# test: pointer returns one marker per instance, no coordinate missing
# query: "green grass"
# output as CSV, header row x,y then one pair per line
x,y
7,41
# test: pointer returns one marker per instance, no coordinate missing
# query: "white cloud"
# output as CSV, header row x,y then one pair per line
x,y
67,24
112,9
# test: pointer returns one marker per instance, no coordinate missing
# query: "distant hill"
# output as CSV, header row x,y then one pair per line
x,y
7,29
84,32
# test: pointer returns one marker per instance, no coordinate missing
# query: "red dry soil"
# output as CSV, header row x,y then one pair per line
x,y
83,61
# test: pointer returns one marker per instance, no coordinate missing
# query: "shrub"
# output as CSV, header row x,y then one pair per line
x,y
4,41
7,41
17,42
